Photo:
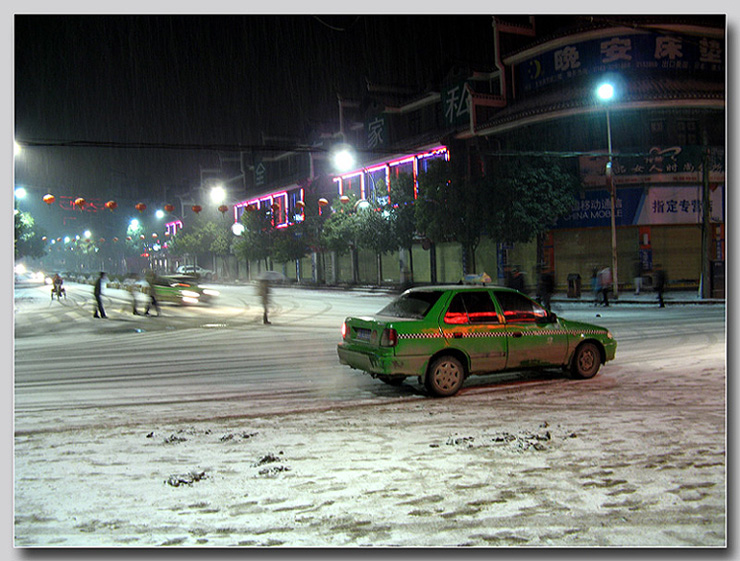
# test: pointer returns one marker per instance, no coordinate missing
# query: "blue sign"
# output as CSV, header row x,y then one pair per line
x,y
593,209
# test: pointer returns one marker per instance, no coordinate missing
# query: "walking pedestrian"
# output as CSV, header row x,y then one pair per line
x,y
98,292
151,281
264,291
547,287
637,272
595,286
659,280
605,281
517,280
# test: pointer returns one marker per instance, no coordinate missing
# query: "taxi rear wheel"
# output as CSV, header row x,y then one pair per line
x,y
587,361
445,377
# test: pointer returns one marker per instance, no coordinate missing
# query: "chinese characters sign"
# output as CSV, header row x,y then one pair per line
x,y
620,53
456,104
672,164
638,206
376,128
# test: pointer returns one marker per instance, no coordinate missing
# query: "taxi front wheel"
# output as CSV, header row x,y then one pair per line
x,y
445,377
586,362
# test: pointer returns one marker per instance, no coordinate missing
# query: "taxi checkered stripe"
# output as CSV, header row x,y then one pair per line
x,y
500,333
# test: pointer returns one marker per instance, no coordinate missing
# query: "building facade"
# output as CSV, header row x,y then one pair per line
x,y
665,125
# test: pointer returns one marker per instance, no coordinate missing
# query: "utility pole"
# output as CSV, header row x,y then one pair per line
x,y
706,229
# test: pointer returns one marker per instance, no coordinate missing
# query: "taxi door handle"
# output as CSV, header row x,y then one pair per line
x,y
517,334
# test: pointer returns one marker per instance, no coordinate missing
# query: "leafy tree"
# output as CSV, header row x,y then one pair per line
x,y
451,208
289,244
401,211
529,196
340,231
375,233
28,239
256,241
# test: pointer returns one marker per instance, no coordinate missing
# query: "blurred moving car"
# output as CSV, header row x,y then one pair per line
x,y
274,277
24,276
443,334
177,289
195,271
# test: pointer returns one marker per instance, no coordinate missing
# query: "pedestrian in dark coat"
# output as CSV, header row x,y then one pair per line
x,y
659,280
264,291
547,287
98,292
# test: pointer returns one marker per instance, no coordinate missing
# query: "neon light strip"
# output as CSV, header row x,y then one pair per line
x,y
414,159
270,199
392,163
171,227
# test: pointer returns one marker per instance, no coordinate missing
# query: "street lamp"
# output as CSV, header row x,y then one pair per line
x,y
605,93
218,194
343,157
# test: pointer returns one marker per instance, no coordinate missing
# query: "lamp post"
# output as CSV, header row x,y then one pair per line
x,y
605,93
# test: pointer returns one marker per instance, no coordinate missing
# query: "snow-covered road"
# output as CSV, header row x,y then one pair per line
x,y
634,457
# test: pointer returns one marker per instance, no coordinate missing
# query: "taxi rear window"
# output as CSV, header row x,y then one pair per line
x,y
414,305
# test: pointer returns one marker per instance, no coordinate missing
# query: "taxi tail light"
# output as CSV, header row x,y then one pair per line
x,y
345,330
389,338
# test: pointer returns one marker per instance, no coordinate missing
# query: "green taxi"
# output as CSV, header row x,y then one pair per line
x,y
442,334
179,289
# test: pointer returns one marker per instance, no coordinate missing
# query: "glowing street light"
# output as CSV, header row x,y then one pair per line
x,y
605,92
218,194
343,157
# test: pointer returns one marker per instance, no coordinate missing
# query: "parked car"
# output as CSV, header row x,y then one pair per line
x,y
442,334
196,271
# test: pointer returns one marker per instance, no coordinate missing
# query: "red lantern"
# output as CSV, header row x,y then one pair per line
x,y
111,205
154,235
344,199
115,240
49,199
141,207
128,238
323,202
169,208
300,204
101,240
223,208
142,236
196,208
80,203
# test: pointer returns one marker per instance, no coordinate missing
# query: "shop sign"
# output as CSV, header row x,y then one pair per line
x,y
637,206
621,53
673,164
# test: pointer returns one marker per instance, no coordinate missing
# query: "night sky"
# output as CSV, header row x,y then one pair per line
x,y
205,80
